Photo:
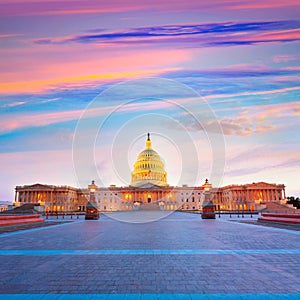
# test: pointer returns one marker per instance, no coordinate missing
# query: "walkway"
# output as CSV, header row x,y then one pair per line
x,y
178,256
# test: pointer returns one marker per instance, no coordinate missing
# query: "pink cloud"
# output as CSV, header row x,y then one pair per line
x,y
254,93
67,7
34,73
285,58
8,124
282,110
14,104
254,4
280,35
247,121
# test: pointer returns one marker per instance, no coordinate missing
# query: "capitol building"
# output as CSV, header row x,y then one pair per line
x,y
149,189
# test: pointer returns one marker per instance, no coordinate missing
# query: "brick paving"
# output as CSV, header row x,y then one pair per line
x,y
180,256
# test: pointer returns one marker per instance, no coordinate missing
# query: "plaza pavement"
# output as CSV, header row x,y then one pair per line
x,y
176,257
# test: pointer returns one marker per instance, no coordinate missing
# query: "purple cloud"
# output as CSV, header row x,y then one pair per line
x,y
205,34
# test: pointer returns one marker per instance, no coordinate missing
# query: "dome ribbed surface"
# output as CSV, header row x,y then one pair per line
x,y
149,168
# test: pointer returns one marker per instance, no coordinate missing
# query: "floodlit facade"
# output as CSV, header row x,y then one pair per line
x,y
149,189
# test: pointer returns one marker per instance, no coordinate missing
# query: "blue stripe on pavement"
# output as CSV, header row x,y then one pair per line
x,y
35,252
146,296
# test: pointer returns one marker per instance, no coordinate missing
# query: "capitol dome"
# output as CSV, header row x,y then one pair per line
x,y
149,168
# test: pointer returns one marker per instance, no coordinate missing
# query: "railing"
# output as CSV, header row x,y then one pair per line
x,y
63,215
239,213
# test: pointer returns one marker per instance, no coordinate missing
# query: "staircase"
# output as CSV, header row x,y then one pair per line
x,y
277,208
149,206
281,218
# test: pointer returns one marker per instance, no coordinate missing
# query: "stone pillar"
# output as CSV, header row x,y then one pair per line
x,y
272,196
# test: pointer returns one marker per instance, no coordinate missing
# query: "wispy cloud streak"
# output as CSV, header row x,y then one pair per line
x,y
68,7
205,34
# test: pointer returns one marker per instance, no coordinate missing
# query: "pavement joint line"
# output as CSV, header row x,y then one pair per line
x,y
2,235
263,227
34,252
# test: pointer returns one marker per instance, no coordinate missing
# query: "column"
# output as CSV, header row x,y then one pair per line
x,y
272,195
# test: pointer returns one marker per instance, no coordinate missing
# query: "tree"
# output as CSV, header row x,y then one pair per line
x,y
294,201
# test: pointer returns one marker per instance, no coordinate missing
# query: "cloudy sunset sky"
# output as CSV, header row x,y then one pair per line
x,y
242,57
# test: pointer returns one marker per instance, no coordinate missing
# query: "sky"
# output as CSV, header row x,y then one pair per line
x,y
216,84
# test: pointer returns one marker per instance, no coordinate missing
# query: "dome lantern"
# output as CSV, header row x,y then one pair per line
x,y
148,143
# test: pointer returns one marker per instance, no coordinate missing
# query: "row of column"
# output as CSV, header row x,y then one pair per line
x,y
50,197
143,196
33,196
263,194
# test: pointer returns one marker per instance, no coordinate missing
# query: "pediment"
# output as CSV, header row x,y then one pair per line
x,y
148,185
38,186
262,184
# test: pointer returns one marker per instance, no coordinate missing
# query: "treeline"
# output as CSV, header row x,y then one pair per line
x,y
294,201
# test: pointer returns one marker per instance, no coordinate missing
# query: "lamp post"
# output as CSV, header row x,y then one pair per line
x,y
208,211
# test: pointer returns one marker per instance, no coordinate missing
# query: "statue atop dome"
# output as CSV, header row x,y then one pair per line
x,y
149,167
148,142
